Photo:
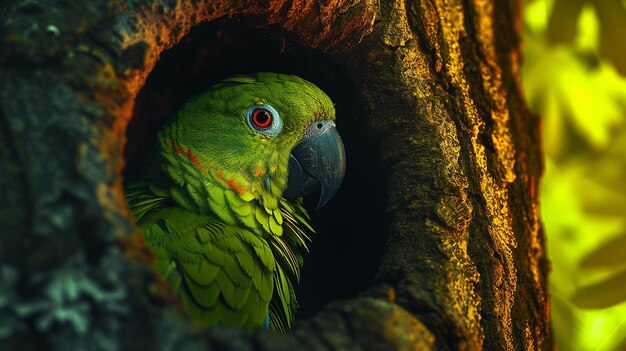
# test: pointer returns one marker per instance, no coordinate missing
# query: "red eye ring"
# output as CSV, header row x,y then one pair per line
x,y
262,118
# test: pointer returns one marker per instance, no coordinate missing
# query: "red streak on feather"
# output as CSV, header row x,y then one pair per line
x,y
231,183
190,156
236,187
187,153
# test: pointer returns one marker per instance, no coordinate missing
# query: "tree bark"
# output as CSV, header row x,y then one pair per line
x,y
438,228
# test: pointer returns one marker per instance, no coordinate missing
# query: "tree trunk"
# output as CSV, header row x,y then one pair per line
x,y
433,243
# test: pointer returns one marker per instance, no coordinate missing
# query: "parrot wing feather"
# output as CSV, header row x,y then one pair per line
x,y
219,271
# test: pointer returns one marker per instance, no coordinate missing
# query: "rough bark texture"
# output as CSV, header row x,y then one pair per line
x,y
444,164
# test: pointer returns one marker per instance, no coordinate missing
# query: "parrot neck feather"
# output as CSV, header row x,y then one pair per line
x,y
250,197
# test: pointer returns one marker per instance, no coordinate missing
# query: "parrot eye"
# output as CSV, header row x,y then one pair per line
x,y
264,119
261,118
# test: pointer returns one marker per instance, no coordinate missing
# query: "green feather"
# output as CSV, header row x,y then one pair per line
x,y
278,216
206,315
229,318
242,79
159,191
262,218
246,262
202,273
265,287
183,198
257,307
205,296
216,197
275,228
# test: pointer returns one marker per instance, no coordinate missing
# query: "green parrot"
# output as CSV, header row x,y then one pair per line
x,y
219,201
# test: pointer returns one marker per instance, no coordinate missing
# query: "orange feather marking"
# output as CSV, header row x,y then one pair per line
x,y
236,187
190,156
231,183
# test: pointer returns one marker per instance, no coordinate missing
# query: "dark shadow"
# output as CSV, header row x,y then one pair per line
x,y
345,252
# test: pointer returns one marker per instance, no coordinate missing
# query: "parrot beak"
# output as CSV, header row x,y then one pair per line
x,y
317,162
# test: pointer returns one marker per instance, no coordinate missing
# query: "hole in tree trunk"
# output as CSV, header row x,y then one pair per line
x,y
346,250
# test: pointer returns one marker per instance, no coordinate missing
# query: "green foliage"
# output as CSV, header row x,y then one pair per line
x,y
572,79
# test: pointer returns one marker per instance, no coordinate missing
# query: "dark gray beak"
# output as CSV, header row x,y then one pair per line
x,y
317,162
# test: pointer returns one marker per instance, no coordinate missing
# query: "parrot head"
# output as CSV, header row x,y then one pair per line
x,y
267,135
